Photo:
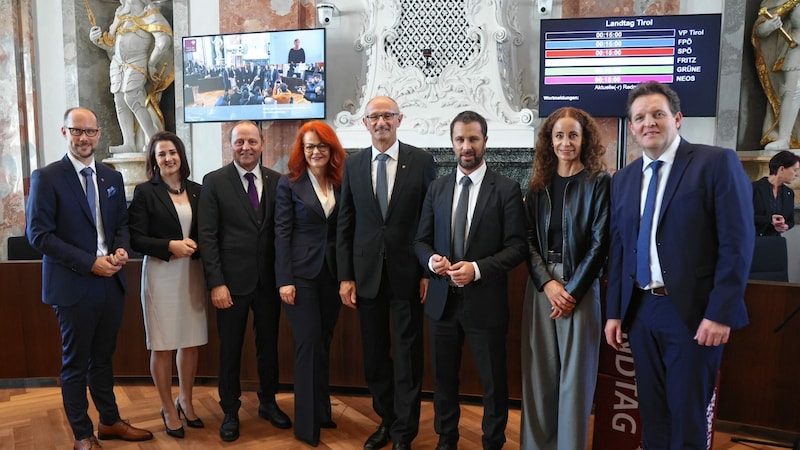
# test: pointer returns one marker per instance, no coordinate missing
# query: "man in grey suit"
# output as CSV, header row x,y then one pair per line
x,y
382,191
237,232
471,234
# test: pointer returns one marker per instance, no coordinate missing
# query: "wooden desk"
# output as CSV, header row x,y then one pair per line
x,y
31,341
760,383
760,376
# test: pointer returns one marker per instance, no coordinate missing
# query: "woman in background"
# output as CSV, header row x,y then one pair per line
x,y
306,208
567,206
163,226
773,201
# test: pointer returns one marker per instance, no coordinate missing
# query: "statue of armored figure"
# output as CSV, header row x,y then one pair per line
x,y
776,34
139,44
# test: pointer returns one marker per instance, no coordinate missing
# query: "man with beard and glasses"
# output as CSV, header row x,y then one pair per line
x,y
382,191
78,219
471,234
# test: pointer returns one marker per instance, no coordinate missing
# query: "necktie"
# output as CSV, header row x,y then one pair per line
x,y
252,192
460,225
646,227
87,172
381,186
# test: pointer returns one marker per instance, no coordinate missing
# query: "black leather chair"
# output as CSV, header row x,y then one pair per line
x,y
770,259
19,249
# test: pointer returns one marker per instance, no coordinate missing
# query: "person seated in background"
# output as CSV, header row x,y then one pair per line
x,y
316,95
315,81
255,96
773,201
281,93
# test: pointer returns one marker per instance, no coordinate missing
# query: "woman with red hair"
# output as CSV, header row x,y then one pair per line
x,y
306,207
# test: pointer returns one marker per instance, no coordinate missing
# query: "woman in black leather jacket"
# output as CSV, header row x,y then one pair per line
x,y
567,206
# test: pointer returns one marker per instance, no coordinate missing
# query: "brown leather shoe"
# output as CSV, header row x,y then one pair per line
x,y
87,444
123,430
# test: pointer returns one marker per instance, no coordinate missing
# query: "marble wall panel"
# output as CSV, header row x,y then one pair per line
x,y
238,16
18,121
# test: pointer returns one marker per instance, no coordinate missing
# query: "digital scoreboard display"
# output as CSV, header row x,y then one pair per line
x,y
592,63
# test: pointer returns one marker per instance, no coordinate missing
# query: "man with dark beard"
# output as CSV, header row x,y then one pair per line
x,y
471,233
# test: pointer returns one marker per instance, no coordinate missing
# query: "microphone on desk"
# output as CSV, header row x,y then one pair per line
x,y
785,321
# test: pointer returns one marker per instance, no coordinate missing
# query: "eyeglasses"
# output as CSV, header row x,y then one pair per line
x,y
385,116
322,147
90,132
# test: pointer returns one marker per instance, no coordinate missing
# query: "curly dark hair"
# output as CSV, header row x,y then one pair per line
x,y
545,162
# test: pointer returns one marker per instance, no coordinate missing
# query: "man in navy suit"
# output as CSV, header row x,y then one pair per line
x,y
77,218
378,272
677,286
236,228
468,291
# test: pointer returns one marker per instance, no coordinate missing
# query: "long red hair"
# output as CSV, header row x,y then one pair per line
x,y
297,159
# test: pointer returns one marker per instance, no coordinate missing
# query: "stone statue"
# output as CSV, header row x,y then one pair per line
x,y
139,44
775,37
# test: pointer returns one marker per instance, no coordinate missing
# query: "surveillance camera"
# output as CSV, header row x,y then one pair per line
x,y
325,13
545,6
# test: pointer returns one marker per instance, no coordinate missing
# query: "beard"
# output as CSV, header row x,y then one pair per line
x,y
477,159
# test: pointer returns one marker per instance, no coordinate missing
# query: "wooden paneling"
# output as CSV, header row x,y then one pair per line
x,y
31,338
760,379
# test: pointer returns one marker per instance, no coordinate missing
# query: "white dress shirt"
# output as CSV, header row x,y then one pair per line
x,y
668,160
102,246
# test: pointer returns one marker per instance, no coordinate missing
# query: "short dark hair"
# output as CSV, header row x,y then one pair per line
x,y
469,117
152,165
783,158
654,87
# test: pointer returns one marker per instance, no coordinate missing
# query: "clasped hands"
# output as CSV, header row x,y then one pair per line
x,y
183,248
561,302
779,222
108,265
461,273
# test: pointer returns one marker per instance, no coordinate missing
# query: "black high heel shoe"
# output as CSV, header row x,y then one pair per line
x,y
176,433
192,423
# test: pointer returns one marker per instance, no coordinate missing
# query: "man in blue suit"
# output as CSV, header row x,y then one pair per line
x,y
471,234
678,267
77,218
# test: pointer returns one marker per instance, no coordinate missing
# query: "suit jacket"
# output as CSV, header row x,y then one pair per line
x,y
496,241
365,239
154,221
704,236
305,240
762,206
237,241
60,225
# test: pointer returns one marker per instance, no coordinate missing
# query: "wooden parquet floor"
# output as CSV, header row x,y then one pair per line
x,y
33,418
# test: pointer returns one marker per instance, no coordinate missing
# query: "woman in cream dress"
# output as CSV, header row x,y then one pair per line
x,y
163,226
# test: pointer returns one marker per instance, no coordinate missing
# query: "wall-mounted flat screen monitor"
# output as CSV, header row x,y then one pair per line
x,y
269,75
592,63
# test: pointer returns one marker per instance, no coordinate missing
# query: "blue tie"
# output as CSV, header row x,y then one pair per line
x,y
381,186
460,224
87,172
645,228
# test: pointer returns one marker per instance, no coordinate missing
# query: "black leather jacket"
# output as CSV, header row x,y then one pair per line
x,y
587,203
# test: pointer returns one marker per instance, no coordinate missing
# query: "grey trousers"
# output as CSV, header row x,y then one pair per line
x,y
559,369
